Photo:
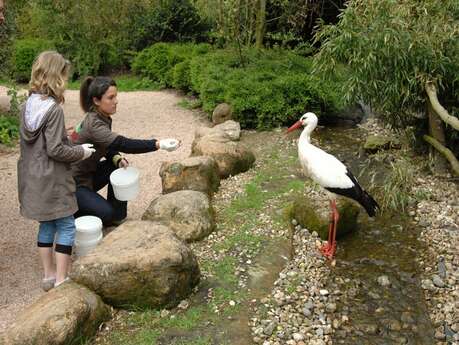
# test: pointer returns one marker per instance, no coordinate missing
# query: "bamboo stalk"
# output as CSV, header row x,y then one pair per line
x,y
445,152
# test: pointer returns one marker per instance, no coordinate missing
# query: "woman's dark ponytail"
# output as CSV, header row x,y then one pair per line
x,y
85,99
93,87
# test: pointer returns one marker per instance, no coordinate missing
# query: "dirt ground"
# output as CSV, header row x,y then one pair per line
x,y
140,115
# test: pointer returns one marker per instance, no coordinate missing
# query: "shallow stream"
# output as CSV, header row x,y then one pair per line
x,y
376,268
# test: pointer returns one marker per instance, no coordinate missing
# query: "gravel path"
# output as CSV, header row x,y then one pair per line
x,y
139,115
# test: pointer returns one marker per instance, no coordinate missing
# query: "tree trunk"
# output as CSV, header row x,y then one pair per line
x,y
221,19
438,108
436,131
445,152
261,21
251,21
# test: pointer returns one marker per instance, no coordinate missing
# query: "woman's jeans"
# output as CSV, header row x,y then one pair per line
x,y
90,203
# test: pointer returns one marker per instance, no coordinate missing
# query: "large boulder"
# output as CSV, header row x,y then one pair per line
x,y
141,264
232,157
193,173
222,113
316,217
188,213
231,129
64,315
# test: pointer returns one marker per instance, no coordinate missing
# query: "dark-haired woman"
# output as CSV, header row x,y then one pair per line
x,y
98,98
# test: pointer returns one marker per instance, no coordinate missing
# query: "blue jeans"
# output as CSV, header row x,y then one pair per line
x,y
91,203
64,227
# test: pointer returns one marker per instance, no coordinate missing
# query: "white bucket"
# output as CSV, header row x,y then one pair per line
x,y
88,234
125,183
84,247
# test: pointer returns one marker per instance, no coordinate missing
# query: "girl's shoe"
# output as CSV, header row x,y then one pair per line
x,y
48,283
62,282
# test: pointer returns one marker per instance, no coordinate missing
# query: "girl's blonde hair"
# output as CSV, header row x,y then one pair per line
x,y
49,75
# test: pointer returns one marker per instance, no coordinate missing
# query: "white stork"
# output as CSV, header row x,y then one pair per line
x,y
332,175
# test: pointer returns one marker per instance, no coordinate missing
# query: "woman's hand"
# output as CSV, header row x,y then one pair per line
x,y
123,163
169,144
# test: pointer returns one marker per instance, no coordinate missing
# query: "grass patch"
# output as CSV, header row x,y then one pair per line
x,y
394,189
224,270
244,237
143,336
198,341
187,320
253,199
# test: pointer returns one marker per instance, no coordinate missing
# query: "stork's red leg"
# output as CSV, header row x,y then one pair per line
x,y
326,248
335,226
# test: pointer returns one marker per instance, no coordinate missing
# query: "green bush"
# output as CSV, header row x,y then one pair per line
x,y
9,129
181,75
266,89
24,53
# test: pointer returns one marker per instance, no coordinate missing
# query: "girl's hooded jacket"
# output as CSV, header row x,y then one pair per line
x,y
45,184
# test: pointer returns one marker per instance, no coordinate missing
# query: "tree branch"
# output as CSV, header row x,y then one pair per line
x,y
438,108
445,152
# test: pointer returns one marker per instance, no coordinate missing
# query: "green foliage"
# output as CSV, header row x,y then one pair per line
x,y
288,22
291,22
93,34
5,50
15,100
25,52
167,21
393,48
100,35
9,129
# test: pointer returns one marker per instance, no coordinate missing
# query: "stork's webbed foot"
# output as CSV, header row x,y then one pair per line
x,y
328,250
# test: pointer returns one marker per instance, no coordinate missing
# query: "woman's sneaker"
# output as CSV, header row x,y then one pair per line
x,y
62,282
48,283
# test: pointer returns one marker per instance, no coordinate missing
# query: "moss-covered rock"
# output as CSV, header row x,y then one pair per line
x,y
375,143
315,218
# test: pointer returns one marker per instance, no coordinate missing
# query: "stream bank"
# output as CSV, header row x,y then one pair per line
x,y
244,298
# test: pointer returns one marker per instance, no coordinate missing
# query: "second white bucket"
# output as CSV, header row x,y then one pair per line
x,y
83,248
88,234
125,183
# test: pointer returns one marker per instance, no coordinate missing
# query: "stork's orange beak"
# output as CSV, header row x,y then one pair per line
x,y
296,125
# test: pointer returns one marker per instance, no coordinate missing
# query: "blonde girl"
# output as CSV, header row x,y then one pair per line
x,y
45,185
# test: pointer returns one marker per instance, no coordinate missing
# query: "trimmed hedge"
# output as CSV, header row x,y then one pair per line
x,y
159,62
266,88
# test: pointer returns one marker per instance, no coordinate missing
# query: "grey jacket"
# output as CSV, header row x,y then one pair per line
x,y
45,184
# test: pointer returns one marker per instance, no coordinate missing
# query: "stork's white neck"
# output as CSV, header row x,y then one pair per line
x,y
305,136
